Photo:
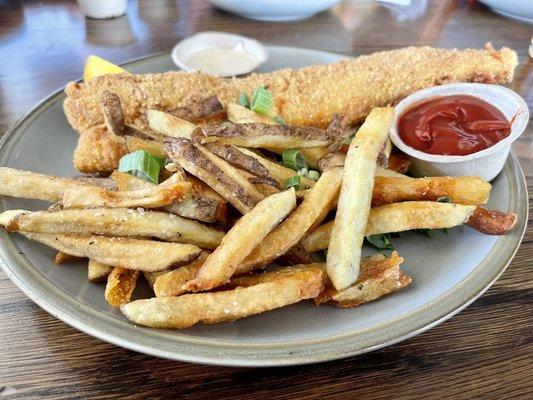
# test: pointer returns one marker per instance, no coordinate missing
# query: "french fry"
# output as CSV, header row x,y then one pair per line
x,y
113,115
460,189
153,147
290,232
118,222
171,283
201,202
105,183
115,122
344,252
120,285
239,242
265,135
7,216
62,258
378,276
297,255
97,272
242,115
32,185
165,193
492,222
336,160
200,109
152,276
254,295
398,217
169,125
144,255
217,173
238,159
399,162
277,171
389,173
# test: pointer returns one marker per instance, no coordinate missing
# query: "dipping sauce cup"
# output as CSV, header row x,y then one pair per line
x,y
486,163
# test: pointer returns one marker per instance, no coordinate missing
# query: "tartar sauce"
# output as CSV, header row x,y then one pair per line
x,y
222,62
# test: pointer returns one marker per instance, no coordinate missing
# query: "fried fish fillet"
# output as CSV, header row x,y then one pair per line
x,y
307,96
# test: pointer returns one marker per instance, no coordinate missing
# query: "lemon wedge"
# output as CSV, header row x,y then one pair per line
x,y
97,66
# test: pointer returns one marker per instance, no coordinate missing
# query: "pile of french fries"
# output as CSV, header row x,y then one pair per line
x,y
223,210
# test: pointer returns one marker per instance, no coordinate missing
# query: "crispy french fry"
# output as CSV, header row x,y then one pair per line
x,y
297,255
120,285
62,258
492,222
245,235
290,232
153,147
118,222
378,276
106,183
217,173
7,216
398,217
113,115
115,122
265,135
97,272
389,173
242,115
460,189
277,171
171,283
344,252
201,202
32,185
254,295
165,193
200,109
144,255
238,159
399,162
169,125
152,276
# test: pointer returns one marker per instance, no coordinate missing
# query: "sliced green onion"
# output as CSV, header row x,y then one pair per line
x,y
244,100
425,232
293,159
262,101
314,175
381,242
278,120
142,165
303,171
444,199
294,182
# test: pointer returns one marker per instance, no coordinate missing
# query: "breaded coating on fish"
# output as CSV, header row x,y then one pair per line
x,y
307,96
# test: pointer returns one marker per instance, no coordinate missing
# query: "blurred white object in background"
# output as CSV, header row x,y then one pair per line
x,y
405,10
531,48
403,3
521,10
218,53
274,10
102,9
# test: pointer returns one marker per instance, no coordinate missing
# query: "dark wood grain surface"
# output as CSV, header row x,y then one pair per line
x,y
484,352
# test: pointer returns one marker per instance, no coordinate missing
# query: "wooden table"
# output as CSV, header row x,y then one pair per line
x,y
483,352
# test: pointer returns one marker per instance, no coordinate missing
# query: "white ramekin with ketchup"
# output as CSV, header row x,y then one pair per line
x,y
459,129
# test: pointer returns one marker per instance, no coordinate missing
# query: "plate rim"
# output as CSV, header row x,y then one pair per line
x,y
219,352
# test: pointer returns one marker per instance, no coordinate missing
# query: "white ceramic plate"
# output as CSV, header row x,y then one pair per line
x,y
449,271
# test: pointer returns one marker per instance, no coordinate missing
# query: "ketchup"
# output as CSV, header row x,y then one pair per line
x,y
453,125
